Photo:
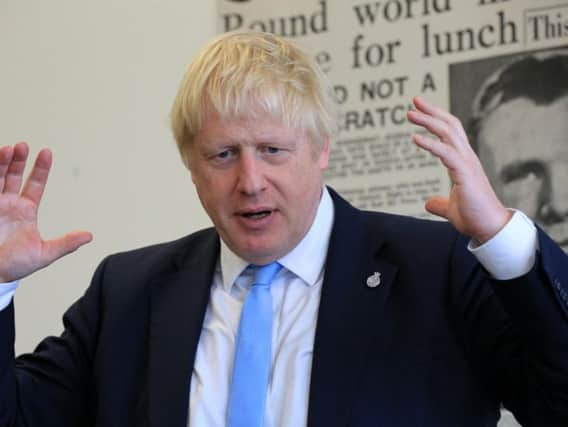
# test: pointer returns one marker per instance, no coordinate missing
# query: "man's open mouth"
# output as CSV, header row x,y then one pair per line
x,y
256,215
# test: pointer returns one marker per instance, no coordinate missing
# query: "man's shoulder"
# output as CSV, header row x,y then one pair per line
x,y
123,280
201,244
398,237
413,234
399,229
402,224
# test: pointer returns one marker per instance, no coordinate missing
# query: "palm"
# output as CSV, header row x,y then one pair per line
x,y
22,250
19,234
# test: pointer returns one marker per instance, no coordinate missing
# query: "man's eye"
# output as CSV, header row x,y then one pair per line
x,y
224,154
272,150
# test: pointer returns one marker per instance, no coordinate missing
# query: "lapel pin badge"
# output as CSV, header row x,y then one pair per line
x,y
374,280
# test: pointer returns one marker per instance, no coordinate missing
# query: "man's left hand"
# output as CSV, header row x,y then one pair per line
x,y
472,205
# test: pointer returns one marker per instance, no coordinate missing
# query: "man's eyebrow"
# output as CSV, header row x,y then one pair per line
x,y
521,167
274,137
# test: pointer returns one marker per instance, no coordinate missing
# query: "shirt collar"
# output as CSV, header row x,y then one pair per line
x,y
306,260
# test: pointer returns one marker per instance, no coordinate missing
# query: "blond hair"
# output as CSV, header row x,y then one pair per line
x,y
241,74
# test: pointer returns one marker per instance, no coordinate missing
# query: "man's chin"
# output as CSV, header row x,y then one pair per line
x,y
259,259
258,254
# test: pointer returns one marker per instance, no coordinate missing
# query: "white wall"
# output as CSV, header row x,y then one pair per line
x,y
94,81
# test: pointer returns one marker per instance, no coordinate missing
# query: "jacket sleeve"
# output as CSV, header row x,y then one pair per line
x,y
51,386
515,333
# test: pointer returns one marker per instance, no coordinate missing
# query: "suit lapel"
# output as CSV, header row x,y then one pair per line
x,y
178,305
350,314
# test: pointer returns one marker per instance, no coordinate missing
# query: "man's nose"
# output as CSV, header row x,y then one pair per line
x,y
251,179
554,206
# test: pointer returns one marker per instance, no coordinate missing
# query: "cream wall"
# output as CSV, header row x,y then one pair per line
x,y
94,81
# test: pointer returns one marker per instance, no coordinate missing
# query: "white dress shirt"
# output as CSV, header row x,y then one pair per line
x,y
296,294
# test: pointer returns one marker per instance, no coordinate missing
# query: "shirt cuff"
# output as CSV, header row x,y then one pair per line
x,y
7,291
512,251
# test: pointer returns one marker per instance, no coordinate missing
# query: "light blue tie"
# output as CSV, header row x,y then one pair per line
x,y
251,367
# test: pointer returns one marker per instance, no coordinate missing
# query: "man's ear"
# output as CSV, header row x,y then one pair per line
x,y
323,159
190,170
188,164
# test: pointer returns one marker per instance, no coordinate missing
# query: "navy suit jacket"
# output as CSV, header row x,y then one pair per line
x,y
437,343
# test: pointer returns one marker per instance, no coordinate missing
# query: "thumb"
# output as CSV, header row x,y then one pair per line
x,y
59,247
438,205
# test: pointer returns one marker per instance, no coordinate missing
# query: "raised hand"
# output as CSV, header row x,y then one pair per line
x,y
472,206
22,250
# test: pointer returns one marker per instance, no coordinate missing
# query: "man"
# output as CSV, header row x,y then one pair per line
x,y
376,319
522,142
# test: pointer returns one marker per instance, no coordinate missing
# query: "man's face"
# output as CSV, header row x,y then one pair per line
x,y
259,181
524,148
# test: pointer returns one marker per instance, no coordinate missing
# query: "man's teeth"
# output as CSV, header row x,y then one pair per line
x,y
257,215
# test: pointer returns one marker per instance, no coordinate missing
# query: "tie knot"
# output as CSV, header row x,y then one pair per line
x,y
266,273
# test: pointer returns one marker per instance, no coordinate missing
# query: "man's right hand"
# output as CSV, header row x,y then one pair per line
x,y
22,250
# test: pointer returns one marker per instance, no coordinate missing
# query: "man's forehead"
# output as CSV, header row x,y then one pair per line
x,y
258,122
521,129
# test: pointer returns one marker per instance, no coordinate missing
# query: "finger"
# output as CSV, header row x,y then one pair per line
x,y
15,173
6,154
431,110
438,205
433,125
35,184
61,246
422,105
445,153
447,133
